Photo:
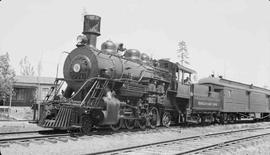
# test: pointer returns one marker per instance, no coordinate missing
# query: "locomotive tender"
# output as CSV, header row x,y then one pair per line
x,y
106,87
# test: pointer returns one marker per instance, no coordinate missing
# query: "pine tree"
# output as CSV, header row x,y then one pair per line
x,y
26,68
182,52
7,75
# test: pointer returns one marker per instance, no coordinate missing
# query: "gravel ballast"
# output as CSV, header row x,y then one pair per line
x,y
96,143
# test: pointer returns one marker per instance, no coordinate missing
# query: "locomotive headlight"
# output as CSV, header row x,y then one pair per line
x,y
81,40
76,68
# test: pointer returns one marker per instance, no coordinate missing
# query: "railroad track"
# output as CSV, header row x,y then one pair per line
x,y
25,141
25,132
193,144
13,139
27,137
228,143
11,120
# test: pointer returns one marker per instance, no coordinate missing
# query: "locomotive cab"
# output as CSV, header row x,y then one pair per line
x,y
172,68
180,75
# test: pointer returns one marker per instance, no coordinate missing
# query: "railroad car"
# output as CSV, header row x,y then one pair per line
x,y
238,100
118,87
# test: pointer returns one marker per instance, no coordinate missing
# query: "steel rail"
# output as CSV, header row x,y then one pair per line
x,y
175,140
24,132
219,145
6,140
7,120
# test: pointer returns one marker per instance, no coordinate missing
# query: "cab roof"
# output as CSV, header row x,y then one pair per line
x,y
185,69
180,67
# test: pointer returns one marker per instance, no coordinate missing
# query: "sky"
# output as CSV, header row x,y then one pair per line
x,y
230,38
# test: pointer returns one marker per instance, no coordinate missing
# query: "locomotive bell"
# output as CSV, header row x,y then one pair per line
x,y
132,54
91,28
109,47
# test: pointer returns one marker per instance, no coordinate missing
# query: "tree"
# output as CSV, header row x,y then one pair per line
x,y
39,68
182,53
7,75
26,68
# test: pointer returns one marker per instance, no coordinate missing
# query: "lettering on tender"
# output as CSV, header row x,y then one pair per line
x,y
207,103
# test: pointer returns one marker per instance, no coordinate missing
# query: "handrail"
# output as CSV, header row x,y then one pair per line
x,y
89,80
101,92
94,85
58,88
55,90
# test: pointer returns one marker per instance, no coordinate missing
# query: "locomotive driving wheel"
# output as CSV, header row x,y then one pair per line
x,y
117,126
87,125
129,123
166,119
153,117
141,123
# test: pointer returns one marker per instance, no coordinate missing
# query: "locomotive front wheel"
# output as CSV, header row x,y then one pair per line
x,y
129,123
87,125
117,126
166,119
141,123
153,121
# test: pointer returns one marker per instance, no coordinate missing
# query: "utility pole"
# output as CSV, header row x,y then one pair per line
x,y
39,69
182,53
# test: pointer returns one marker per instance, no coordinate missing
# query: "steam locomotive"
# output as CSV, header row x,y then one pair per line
x,y
120,87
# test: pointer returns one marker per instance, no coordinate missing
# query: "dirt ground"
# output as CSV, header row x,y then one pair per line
x,y
17,126
17,119
16,113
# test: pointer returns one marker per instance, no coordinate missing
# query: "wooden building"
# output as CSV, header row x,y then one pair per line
x,y
29,89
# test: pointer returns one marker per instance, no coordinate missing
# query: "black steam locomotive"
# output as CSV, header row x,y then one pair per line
x,y
121,87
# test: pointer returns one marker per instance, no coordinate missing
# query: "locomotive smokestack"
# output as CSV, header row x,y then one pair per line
x,y
91,28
